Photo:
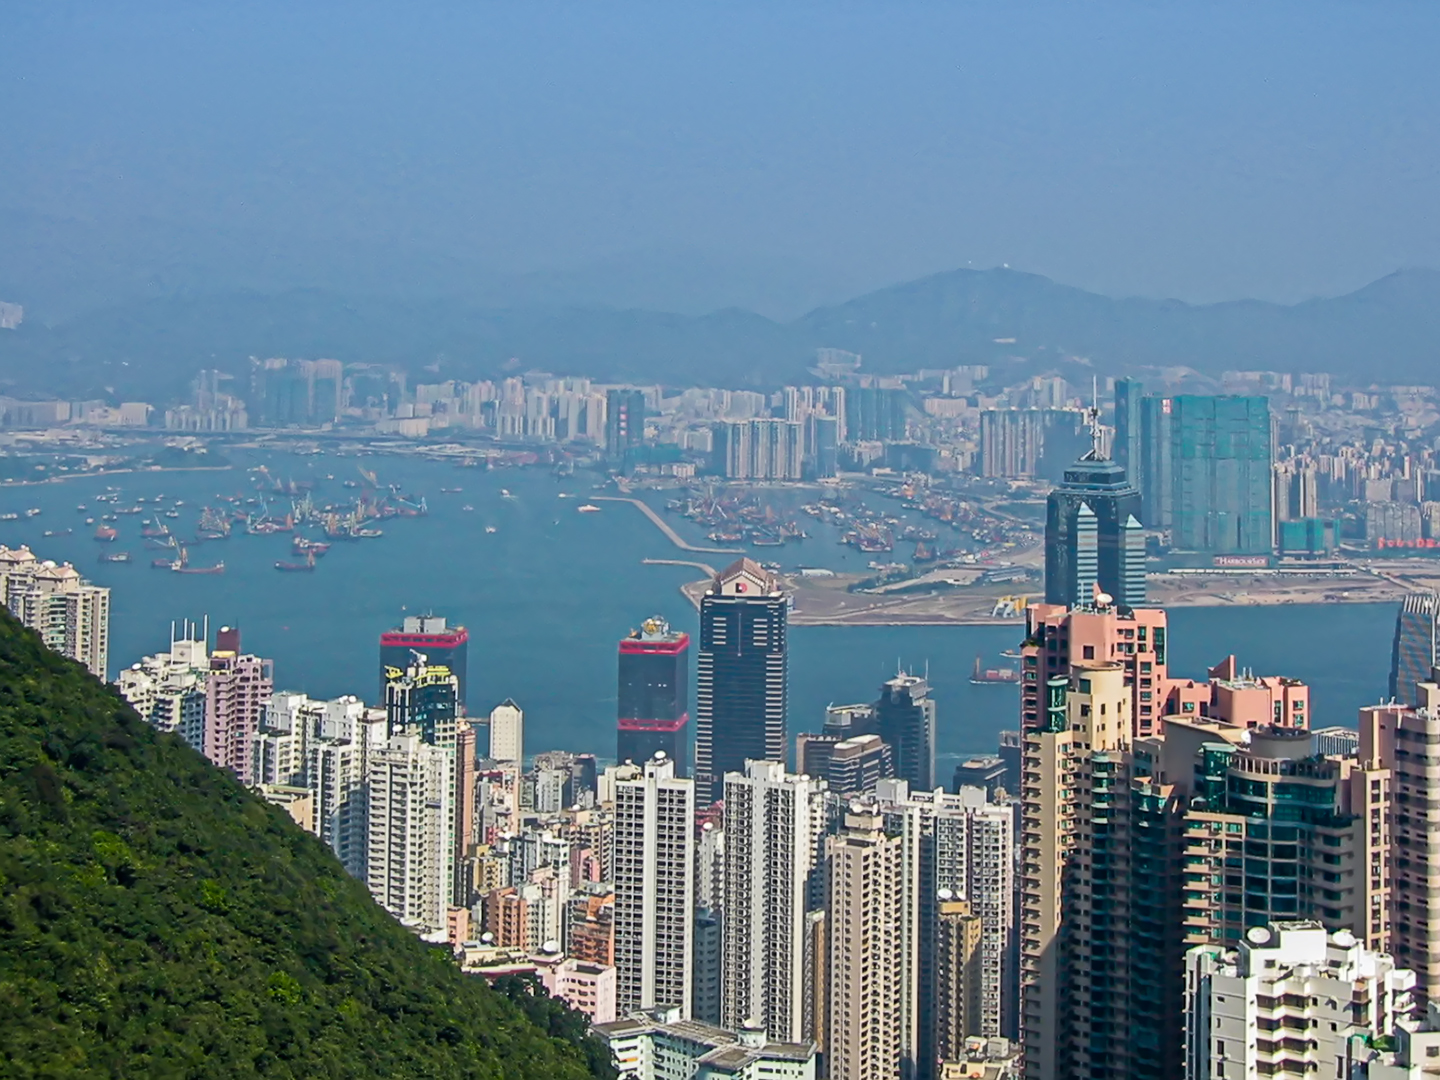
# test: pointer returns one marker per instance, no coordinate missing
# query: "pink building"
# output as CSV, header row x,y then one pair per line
x,y
236,690
585,986
1241,698
1059,636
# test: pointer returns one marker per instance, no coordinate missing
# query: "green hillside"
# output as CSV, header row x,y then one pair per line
x,y
157,920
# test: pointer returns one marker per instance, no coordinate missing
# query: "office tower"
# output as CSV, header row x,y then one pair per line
x,y
864,898
443,646
1290,999
423,699
71,615
1093,536
904,717
1056,637
236,691
654,695
653,853
507,733
987,772
774,824
854,766
1415,652
1206,472
410,851
958,966
741,682
168,689
1128,435
624,424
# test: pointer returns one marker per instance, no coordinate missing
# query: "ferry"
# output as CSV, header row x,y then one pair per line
x,y
993,675
9,515
587,508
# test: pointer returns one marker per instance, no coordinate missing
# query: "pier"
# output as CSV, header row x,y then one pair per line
x,y
664,526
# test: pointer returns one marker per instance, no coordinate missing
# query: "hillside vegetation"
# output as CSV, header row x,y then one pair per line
x,y
157,920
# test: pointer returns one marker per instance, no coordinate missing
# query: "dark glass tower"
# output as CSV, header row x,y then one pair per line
x,y
1093,536
1414,651
654,698
441,645
904,717
741,681
423,698
624,424
1126,452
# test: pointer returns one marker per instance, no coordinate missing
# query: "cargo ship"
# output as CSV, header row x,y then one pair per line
x,y
298,567
105,534
993,675
182,566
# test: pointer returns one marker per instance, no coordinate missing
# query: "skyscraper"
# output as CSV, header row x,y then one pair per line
x,y
410,831
959,964
1206,472
1415,652
236,691
904,718
864,898
624,424
653,868
422,698
741,683
774,825
1128,435
653,701
1093,535
443,647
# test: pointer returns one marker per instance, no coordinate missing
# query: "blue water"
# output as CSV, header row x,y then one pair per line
x,y
550,592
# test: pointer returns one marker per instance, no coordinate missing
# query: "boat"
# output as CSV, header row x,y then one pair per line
x,y
588,508
298,567
505,493
369,534
119,556
162,564
9,515
172,513
302,546
467,507
58,532
489,528
32,512
81,508
105,534
981,675
1011,654
451,491
181,565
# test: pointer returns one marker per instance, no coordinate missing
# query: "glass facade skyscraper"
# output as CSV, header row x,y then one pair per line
x,y
653,695
1093,536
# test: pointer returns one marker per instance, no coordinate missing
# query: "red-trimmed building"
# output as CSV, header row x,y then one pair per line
x,y
443,647
654,695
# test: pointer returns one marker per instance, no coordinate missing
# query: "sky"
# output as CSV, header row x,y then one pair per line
x,y
799,151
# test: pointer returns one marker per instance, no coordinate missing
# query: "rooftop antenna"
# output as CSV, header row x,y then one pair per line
x,y
1092,419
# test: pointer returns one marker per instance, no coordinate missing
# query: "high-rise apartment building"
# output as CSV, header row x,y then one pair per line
x,y
653,869
653,701
1290,999
864,899
741,682
1093,536
71,615
443,646
761,449
904,718
1206,472
236,690
507,733
775,823
1416,648
168,689
876,414
410,832
959,964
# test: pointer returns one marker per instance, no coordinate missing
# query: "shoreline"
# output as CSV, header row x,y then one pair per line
x,y
113,472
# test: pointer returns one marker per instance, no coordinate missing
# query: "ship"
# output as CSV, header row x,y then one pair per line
x,y
119,556
105,534
298,567
182,566
588,508
301,546
981,675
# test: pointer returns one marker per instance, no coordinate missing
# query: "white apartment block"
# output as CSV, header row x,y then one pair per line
x,y
652,861
71,615
1291,1000
168,689
774,826
410,848
661,1046
507,733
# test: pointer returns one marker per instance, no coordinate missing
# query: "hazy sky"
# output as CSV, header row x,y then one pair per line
x,y
1200,150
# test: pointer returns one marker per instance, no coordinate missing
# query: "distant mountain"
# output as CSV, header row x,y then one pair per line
x,y
157,919
1388,330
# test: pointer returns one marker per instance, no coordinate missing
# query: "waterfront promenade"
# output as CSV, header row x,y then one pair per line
x,y
664,526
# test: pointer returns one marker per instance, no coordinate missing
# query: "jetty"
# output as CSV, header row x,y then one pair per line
x,y
705,568
664,526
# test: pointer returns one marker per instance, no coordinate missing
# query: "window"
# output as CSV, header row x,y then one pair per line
x,y
1089,652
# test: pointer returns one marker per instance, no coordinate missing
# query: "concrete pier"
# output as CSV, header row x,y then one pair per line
x,y
664,526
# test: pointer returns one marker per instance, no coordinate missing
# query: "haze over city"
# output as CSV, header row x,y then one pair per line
x,y
724,540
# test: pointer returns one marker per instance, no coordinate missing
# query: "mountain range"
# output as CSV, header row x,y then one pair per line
x,y
1388,331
